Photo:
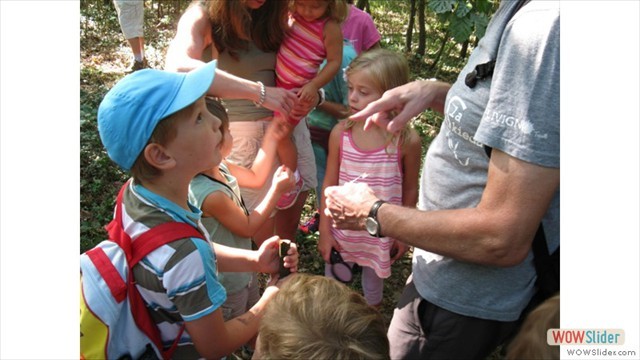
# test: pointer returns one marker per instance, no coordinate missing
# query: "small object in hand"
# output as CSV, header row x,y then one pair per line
x,y
284,248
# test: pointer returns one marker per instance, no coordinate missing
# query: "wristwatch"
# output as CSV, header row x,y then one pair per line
x,y
321,97
371,222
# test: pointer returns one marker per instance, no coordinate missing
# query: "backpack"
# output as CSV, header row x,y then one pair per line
x,y
114,320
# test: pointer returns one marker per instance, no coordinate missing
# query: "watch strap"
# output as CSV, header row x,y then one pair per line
x,y
373,213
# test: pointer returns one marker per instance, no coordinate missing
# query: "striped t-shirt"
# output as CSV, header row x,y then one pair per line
x,y
383,169
177,281
301,52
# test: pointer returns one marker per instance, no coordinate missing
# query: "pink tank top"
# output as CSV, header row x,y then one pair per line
x,y
383,167
301,52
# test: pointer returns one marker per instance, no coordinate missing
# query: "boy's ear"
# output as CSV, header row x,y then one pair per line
x,y
157,157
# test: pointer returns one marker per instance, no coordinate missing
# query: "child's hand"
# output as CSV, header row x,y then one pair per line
x,y
283,180
308,93
278,129
397,251
325,243
268,259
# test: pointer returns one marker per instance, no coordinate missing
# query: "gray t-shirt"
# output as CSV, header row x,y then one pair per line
x,y
516,111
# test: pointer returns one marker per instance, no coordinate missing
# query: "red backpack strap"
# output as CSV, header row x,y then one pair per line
x,y
136,251
161,235
145,244
114,228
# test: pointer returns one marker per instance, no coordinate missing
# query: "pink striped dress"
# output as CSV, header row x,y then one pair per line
x,y
384,175
301,52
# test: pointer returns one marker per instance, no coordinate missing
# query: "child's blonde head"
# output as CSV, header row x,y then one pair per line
x,y
314,317
385,69
531,341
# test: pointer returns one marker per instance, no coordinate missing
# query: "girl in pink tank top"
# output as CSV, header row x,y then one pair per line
x,y
314,35
388,163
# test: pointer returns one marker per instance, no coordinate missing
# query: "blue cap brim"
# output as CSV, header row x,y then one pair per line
x,y
194,86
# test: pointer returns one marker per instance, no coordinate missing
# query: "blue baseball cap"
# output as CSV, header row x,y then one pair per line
x,y
130,111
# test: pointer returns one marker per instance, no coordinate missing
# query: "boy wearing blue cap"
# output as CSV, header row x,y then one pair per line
x,y
155,124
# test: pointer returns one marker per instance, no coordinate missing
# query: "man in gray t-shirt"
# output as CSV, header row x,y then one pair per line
x,y
473,271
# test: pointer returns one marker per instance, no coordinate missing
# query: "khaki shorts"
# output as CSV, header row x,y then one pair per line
x,y
131,17
247,139
241,301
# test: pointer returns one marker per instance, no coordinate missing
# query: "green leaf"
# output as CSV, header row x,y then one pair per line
x,y
463,9
460,28
442,6
480,22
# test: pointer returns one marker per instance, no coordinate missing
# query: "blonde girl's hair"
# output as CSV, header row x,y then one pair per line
x,y
235,25
315,317
336,11
531,340
386,70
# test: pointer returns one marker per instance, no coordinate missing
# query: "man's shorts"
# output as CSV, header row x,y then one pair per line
x,y
131,17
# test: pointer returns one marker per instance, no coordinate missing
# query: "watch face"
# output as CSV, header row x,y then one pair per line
x,y
372,226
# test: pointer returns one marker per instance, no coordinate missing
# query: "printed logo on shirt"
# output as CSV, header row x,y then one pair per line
x,y
456,133
523,126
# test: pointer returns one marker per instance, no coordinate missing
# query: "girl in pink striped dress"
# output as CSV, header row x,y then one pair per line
x,y
388,163
313,36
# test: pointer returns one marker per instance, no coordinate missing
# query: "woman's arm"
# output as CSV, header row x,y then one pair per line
x,y
229,86
192,37
185,53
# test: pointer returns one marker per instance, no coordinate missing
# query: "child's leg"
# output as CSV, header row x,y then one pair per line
x,y
372,286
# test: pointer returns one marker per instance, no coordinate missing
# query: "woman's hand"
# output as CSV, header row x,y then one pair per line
x,y
279,100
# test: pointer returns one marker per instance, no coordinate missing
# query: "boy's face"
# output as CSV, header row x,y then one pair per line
x,y
196,145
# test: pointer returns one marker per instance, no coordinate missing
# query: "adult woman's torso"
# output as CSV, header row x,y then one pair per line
x,y
251,64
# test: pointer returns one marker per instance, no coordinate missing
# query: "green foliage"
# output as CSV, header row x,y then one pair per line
x,y
463,18
99,177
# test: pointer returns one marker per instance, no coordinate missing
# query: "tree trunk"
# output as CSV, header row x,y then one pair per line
x,y
422,35
440,51
412,17
465,48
